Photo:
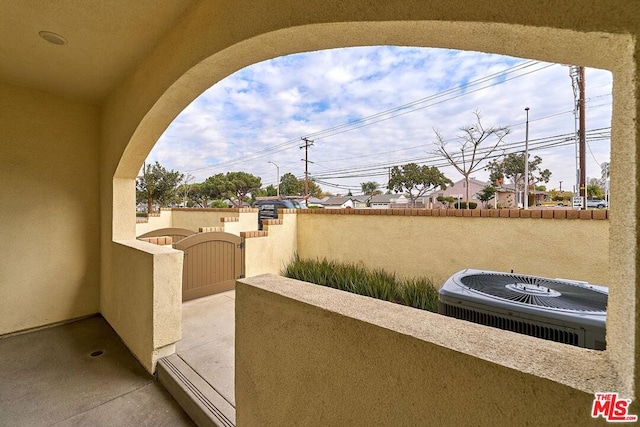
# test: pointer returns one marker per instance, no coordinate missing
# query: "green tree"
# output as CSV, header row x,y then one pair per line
x,y
217,187
269,190
218,203
416,180
240,184
198,195
290,185
466,156
183,189
370,188
486,194
314,189
594,191
157,185
511,166
182,193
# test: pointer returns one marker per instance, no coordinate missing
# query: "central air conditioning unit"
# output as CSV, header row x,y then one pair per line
x,y
565,311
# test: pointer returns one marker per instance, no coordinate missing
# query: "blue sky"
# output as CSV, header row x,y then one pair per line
x,y
260,113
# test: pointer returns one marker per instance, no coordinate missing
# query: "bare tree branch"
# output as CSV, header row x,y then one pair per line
x,y
466,156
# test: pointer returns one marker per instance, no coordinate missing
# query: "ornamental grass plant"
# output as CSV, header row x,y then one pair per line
x,y
416,292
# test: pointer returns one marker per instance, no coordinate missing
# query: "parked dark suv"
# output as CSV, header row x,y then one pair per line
x,y
269,209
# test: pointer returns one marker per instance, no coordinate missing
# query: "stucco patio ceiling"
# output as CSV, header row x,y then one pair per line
x,y
104,41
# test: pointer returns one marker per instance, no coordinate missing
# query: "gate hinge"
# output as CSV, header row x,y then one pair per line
x,y
241,276
241,245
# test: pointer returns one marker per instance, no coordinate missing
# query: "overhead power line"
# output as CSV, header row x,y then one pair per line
x,y
401,108
402,113
414,147
391,113
379,169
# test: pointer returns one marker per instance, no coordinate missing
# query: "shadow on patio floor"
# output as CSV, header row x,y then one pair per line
x,y
79,373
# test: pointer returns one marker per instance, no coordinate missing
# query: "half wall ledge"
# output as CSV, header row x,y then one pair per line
x,y
143,302
598,214
444,357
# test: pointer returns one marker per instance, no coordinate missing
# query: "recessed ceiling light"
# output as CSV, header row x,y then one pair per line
x,y
53,37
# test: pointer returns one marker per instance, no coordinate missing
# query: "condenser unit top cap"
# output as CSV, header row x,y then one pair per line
x,y
533,291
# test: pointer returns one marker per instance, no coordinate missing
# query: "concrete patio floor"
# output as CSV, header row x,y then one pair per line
x,y
208,340
79,374
200,375
58,377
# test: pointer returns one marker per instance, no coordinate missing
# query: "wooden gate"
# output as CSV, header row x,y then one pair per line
x,y
212,263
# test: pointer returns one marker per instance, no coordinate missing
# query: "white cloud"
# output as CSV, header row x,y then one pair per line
x,y
259,113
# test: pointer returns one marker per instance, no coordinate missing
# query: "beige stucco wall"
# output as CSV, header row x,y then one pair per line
x,y
313,356
213,39
437,247
247,221
269,254
192,219
236,227
146,307
164,220
49,209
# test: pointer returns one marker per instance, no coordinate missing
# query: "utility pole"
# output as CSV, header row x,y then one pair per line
x,y
526,164
307,144
577,80
583,142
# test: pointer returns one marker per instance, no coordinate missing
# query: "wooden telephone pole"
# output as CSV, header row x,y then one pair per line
x,y
307,144
577,79
583,140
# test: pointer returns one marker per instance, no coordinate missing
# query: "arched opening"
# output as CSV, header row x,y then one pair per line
x,y
602,51
213,353
368,109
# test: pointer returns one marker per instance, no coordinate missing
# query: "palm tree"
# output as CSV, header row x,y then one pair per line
x,y
370,188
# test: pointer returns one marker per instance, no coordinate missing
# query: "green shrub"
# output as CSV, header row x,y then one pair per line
x,y
463,205
376,284
418,292
218,203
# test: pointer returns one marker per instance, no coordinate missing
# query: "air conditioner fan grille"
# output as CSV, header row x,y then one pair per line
x,y
572,297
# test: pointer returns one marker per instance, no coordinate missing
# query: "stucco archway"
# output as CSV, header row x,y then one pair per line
x,y
185,79
561,46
